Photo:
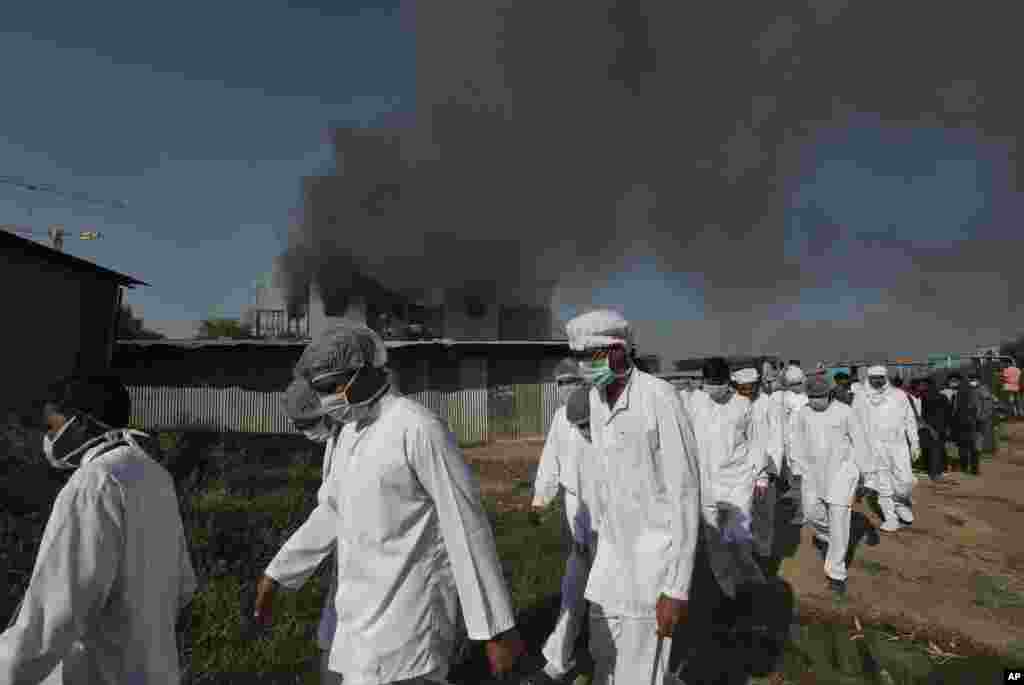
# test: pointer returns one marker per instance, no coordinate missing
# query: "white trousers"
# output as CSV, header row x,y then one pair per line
x,y
894,494
624,649
559,649
831,525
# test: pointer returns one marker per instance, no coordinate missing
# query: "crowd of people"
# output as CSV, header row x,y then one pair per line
x,y
672,502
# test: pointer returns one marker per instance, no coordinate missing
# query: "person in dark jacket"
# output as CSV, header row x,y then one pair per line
x,y
936,413
842,391
964,424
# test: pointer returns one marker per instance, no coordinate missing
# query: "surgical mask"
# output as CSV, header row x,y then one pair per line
x,y
597,373
565,390
974,384
717,392
818,403
112,436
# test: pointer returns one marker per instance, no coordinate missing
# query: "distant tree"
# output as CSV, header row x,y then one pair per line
x,y
130,328
218,327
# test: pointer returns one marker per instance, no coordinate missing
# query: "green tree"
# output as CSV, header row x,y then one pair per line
x,y
223,327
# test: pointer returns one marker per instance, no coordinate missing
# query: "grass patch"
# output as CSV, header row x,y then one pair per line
x,y
872,567
993,592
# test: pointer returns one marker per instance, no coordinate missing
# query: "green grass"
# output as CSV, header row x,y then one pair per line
x,y
993,592
234,535
872,567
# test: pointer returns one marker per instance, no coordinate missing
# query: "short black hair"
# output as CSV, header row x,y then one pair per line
x,y
715,369
841,376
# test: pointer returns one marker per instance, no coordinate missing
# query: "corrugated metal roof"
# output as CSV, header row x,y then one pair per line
x,y
31,247
391,344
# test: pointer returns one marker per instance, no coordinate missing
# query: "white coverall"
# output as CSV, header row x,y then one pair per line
x,y
834,447
648,517
578,480
767,443
891,429
112,574
402,510
728,467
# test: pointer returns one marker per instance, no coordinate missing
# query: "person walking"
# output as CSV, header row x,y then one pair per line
x,y
889,420
1011,384
830,440
986,415
964,424
649,502
935,416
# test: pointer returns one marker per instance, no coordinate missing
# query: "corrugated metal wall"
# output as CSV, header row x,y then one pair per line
x,y
235,410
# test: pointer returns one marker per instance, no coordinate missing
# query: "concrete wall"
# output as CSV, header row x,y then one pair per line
x,y
59,323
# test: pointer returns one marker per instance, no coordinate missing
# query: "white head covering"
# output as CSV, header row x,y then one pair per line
x,y
745,376
878,370
794,374
600,328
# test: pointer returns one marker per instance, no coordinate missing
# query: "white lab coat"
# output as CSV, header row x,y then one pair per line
x,y
553,460
412,540
768,435
729,464
892,433
833,445
329,616
648,498
790,404
112,574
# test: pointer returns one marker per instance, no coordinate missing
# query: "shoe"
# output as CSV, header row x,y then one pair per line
x,y
837,586
936,478
889,526
975,471
821,546
905,515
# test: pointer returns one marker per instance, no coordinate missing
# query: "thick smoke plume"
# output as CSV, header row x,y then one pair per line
x,y
555,142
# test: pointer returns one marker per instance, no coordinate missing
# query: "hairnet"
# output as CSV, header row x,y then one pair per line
x,y
794,374
878,370
102,397
301,402
745,376
577,409
567,368
341,348
600,328
817,386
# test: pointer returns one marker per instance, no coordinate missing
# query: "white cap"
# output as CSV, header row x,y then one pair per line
x,y
745,376
794,374
601,328
878,370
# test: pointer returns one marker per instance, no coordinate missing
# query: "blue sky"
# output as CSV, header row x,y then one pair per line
x,y
203,117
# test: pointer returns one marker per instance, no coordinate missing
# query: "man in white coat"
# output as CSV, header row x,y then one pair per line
x,y
402,511
113,569
649,502
767,447
555,457
891,428
831,442
579,480
791,400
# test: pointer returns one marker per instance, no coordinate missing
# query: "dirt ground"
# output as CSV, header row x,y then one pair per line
x,y
924,579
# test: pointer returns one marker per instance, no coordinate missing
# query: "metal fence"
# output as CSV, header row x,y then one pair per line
x,y
235,410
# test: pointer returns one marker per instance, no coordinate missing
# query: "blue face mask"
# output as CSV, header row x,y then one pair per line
x,y
597,373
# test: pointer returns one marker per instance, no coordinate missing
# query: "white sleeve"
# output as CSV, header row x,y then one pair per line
x,y
862,454
545,487
910,422
680,465
444,474
305,550
75,569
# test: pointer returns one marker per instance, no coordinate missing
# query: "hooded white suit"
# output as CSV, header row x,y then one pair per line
x,y
891,429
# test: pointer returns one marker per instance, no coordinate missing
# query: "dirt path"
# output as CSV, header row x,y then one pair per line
x,y
940,577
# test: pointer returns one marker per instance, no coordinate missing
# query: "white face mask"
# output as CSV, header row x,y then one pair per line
x,y
719,393
818,403
99,442
49,442
974,384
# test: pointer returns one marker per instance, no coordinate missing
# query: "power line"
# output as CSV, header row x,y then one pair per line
x,y
78,196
